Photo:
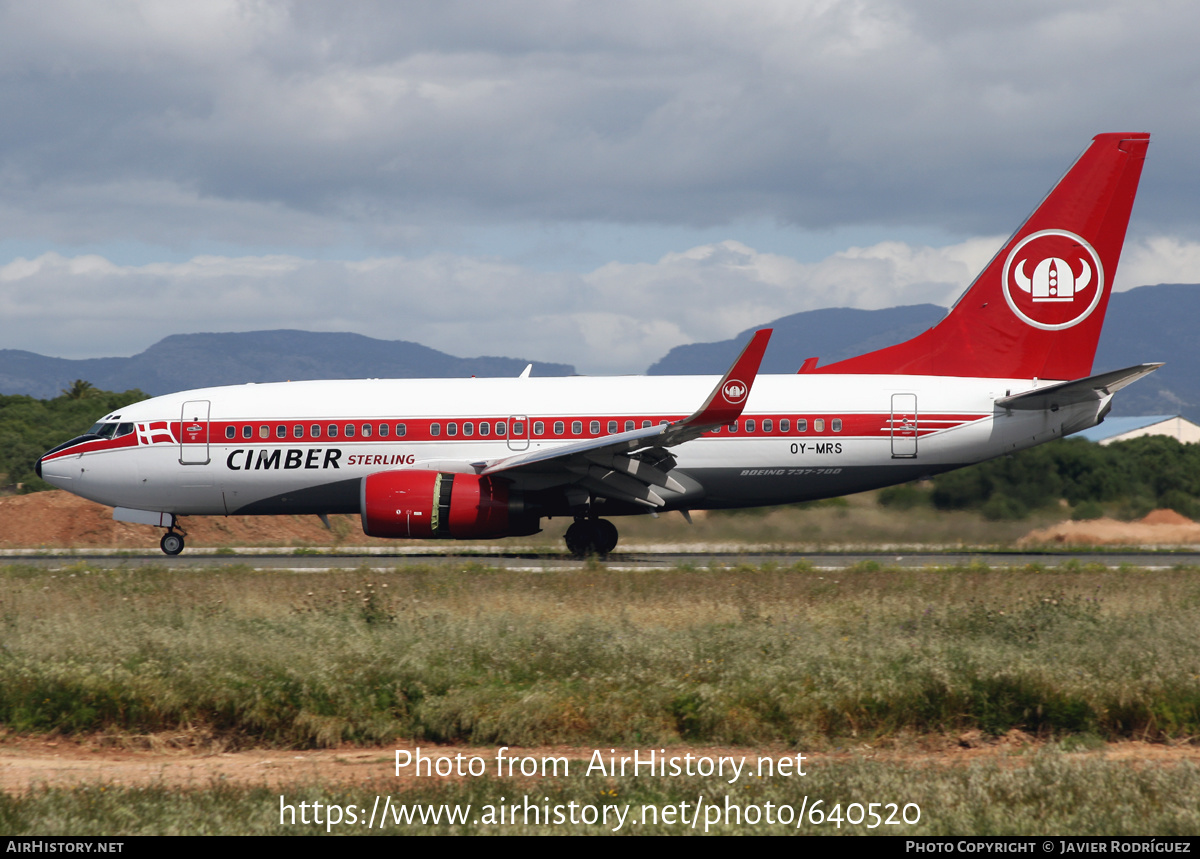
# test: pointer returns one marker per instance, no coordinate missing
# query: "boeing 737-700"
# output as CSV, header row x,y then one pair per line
x,y
1007,368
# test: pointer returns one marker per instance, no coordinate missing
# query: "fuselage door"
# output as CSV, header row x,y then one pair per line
x,y
904,426
193,433
518,432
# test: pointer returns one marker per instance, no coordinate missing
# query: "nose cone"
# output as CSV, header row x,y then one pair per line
x,y
55,469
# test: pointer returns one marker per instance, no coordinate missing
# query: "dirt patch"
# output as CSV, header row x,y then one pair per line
x,y
26,764
1157,528
1165,517
57,519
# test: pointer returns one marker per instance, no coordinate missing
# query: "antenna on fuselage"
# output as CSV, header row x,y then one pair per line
x,y
525,373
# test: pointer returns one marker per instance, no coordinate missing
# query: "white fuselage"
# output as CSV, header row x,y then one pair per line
x,y
813,436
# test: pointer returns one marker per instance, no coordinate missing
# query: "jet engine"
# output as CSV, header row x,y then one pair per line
x,y
441,505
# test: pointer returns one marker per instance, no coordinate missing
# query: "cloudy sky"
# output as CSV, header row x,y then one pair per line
x,y
590,183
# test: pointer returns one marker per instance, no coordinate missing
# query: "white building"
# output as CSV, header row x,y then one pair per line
x,y
1123,429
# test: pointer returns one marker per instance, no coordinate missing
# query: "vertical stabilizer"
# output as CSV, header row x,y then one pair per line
x,y
1037,309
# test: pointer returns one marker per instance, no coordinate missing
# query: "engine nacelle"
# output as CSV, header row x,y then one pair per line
x,y
440,505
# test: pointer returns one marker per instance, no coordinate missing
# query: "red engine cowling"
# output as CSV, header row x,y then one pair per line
x,y
436,504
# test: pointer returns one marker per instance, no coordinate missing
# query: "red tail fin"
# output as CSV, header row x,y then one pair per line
x,y
1037,309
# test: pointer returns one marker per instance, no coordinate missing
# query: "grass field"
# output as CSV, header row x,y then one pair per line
x,y
796,657
738,657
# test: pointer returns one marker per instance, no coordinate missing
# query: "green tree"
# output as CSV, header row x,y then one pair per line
x,y
80,390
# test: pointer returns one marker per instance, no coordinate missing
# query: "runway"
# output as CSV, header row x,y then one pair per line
x,y
320,560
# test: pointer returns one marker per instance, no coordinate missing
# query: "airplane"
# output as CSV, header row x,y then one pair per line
x,y
1009,367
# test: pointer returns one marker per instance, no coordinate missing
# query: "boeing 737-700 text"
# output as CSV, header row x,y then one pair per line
x,y
1007,368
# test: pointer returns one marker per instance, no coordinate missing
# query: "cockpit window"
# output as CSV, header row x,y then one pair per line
x,y
110,429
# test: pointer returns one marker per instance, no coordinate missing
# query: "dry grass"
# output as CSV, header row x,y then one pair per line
x,y
741,656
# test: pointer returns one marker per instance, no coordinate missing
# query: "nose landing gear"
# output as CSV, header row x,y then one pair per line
x,y
172,542
588,537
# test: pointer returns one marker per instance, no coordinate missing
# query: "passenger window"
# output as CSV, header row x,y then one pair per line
x,y
801,425
750,426
716,430
576,427
401,429
558,427
612,427
383,430
315,430
332,428
768,425
485,428
733,427
784,425
468,428
502,428
230,432
349,430
280,431
646,424
629,426
539,428
298,431
818,425
247,431
837,425
452,428
594,427
366,430
435,429
264,432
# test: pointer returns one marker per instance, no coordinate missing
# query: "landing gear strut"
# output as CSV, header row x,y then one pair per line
x,y
172,542
591,537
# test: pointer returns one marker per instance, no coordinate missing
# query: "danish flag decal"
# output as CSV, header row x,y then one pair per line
x,y
1053,279
155,432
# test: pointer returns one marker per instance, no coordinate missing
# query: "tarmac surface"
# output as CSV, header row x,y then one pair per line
x,y
319,560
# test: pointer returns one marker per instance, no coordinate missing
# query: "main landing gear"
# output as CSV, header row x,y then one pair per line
x,y
591,537
172,542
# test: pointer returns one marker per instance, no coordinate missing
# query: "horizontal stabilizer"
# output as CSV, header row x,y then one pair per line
x,y
1080,391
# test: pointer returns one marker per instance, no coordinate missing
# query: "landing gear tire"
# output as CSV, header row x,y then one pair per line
x,y
588,537
606,536
171,543
581,538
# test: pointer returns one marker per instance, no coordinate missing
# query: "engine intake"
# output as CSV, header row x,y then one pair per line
x,y
441,505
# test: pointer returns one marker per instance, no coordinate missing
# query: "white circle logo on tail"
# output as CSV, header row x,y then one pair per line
x,y
1053,279
734,391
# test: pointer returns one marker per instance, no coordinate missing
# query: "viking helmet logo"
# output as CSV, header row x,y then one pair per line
x,y
1053,279
734,391
1065,267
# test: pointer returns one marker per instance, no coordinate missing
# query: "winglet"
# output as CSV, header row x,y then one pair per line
x,y
724,405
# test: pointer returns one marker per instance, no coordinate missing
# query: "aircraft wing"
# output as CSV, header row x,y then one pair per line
x,y
604,466
1080,391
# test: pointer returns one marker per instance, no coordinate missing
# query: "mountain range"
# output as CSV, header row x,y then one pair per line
x,y
1149,323
184,361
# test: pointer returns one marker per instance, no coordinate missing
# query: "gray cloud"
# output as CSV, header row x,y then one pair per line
x,y
317,123
361,166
